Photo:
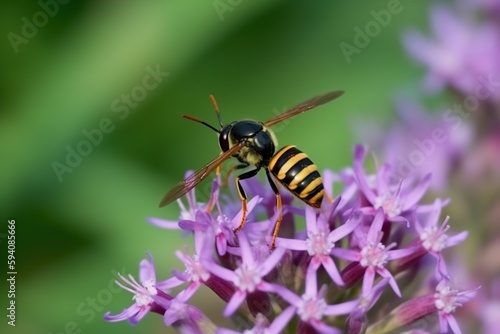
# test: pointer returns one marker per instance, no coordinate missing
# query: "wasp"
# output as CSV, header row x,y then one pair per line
x,y
254,144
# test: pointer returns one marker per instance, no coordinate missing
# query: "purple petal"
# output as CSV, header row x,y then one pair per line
x,y
250,206
123,315
418,46
221,244
383,177
342,308
443,323
345,228
399,253
168,224
234,303
170,316
368,279
246,250
226,331
376,226
190,225
392,282
359,157
323,328
311,288
332,271
400,220
292,244
183,276
346,254
426,208
191,289
445,24
137,317
204,244
284,293
347,196
456,239
414,196
328,179
441,269
453,324
311,223
169,283
330,209
271,262
367,301
280,322
219,271
434,215
147,270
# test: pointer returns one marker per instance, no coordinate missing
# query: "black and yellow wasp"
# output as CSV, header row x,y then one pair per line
x,y
253,143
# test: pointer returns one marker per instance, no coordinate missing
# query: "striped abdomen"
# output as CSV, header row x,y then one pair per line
x,y
298,173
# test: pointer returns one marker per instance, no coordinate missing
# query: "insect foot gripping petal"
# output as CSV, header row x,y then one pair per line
x,y
243,216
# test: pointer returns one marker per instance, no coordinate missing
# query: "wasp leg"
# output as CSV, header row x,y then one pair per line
x,y
278,208
225,181
243,195
232,169
328,198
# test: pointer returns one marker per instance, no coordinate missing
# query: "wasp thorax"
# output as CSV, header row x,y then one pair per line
x,y
259,142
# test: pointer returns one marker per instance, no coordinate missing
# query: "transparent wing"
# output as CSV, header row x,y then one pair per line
x,y
191,181
304,106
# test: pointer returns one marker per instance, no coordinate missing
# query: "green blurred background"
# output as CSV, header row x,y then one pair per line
x,y
257,57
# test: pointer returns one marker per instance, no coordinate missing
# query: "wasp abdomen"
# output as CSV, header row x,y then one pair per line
x,y
298,174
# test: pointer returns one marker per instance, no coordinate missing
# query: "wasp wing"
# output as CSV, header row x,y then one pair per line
x,y
192,180
304,106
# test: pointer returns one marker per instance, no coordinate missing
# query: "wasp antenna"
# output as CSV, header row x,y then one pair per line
x,y
216,107
197,120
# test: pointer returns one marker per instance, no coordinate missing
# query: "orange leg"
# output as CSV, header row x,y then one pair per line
x,y
328,198
243,195
278,221
243,216
279,209
232,169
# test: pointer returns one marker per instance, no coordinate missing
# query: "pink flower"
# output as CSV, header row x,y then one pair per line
x,y
146,294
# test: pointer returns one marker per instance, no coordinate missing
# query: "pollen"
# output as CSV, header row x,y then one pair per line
x,y
142,299
389,203
446,298
196,270
318,244
434,238
247,278
374,255
311,308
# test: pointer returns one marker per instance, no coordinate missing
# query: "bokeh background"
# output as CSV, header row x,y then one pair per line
x,y
257,57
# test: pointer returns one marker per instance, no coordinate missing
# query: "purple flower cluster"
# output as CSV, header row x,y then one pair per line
x,y
371,260
459,143
463,53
